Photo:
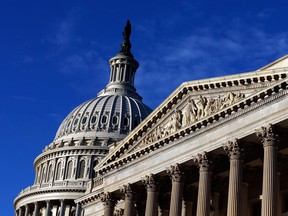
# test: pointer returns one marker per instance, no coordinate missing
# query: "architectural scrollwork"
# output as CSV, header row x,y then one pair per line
x,y
175,172
108,199
203,161
193,111
150,183
127,190
267,135
233,149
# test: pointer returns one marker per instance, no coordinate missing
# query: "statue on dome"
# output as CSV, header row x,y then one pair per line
x,y
126,45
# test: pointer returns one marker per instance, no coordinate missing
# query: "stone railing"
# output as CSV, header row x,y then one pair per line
x,y
54,185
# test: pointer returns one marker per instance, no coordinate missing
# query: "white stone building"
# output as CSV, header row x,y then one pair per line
x,y
216,146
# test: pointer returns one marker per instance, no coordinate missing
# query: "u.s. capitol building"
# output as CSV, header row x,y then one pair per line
x,y
216,146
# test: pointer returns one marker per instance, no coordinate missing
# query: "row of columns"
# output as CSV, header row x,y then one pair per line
x,y
235,190
25,211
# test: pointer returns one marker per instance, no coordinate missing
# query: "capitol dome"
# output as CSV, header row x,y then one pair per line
x,y
108,117
84,138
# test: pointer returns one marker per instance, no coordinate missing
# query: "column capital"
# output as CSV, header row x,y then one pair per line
x,y
267,135
175,173
108,199
234,149
150,182
203,162
128,191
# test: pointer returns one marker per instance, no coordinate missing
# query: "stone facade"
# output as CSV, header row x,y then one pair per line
x,y
214,147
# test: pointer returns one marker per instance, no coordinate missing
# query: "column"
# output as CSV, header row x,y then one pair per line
x,y
109,203
20,211
48,206
26,210
152,195
268,138
36,209
234,152
78,209
204,190
129,200
62,207
176,176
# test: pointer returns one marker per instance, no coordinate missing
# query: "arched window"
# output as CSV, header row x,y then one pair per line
x,y
82,169
69,170
49,176
58,171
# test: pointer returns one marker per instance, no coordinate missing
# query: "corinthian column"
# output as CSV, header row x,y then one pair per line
x,y
268,138
176,176
109,203
129,199
235,178
152,195
204,190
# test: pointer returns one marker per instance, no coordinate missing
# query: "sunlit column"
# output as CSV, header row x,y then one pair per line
x,y
234,152
204,190
176,176
268,138
152,195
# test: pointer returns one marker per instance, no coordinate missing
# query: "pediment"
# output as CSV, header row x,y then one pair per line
x,y
191,107
279,63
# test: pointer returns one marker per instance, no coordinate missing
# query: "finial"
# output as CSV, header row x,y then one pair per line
x,y
126,45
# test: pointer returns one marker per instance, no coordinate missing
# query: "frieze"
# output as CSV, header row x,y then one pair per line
x,y
193,111
254,101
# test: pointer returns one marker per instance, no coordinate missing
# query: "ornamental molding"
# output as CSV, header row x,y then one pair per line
x,y
133,146
66,152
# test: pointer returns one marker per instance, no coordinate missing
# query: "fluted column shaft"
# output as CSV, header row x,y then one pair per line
x,y
129,200
152,195
109,203
48,208
234,152
204,190
269,190
176,176
36,209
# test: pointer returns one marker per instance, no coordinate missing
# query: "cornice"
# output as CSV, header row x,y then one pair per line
x,y
117,158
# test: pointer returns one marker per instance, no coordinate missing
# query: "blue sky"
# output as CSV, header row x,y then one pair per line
x,y
54,55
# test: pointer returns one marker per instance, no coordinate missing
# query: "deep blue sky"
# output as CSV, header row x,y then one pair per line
x,y
54,55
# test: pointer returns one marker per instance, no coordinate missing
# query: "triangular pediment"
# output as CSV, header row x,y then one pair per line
x,y
279,63
193,106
